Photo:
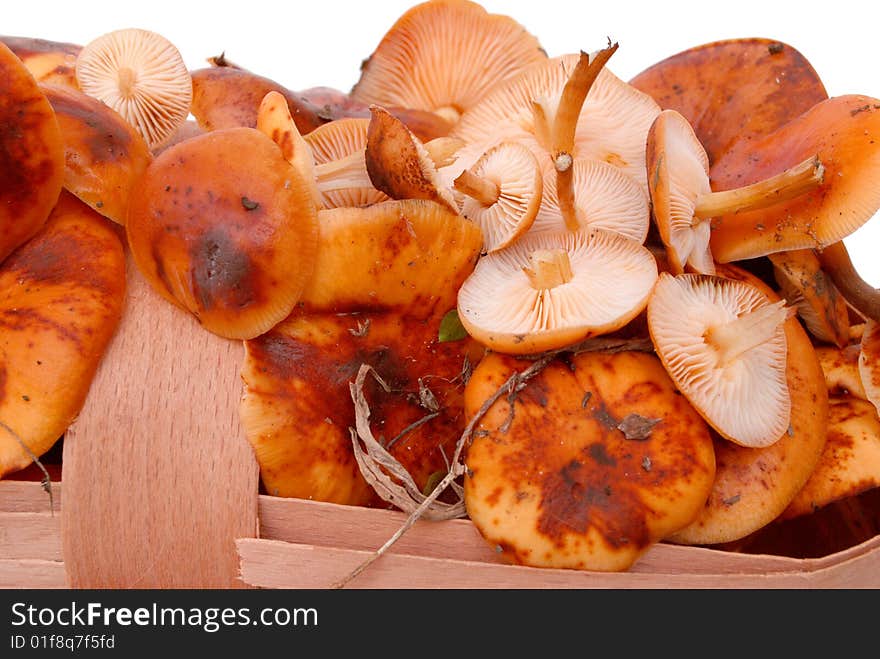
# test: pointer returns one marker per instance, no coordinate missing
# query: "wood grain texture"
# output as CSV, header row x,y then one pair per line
x,y
159,479
30,573
28,497
277,564
30,535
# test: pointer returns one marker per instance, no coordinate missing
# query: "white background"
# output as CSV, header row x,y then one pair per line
x,y
321,43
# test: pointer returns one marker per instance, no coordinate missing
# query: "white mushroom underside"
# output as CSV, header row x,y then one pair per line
x,y
613,277
605,198
514,170
160,95
747,401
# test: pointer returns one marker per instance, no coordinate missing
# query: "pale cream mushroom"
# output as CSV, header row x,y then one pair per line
x,y
142,76
724,345
551,290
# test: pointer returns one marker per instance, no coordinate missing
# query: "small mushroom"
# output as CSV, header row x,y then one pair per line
x,y
683,201
753,486
31,154
843,133
553,480
550,290
808,288
61,298
224,227
104,156
502,193
723,343
604,198
444,56
142,76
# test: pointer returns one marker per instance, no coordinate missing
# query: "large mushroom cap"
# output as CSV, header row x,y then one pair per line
x,y
735,379
605,198
734,90
104,156
844,133
31,154
754,485
550,290
678,173
443,56
612,125
142,76
224,227
61,297
599,459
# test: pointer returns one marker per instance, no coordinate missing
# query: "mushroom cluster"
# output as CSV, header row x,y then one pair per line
x,y
621,305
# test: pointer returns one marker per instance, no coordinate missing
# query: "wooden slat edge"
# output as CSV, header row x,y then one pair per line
x,y
277,564
30,535
28,497
331,525
30,573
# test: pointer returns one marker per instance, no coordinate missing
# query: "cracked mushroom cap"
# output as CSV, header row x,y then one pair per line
x,y
844,134
104,155
724,345
410,253
551,290
753,486
61,298
444,56
599,459
31,154
612,126
142,76
224,227
517,183
605,198
336,141
678,169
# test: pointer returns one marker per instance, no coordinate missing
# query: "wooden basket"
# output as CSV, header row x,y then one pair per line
x,y
160,490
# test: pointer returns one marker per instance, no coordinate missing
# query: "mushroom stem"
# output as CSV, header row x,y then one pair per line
x,y
343,174
542,119
565,125
442,150
748,331
860,295
550,268
449,113
791,183
127,78
482,189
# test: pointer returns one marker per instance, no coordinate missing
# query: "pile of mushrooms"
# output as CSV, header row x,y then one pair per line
x,y
605,314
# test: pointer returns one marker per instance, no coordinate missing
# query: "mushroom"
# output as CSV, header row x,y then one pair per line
x,y
61,298
222,226
735,90
869,362
550,290
385,277
840,367
444,56
843,133
808,288
31,154
753,486
502,193
604,198
683,201
859,294
612,122
104,155
141,75
588,464
52,62
723,343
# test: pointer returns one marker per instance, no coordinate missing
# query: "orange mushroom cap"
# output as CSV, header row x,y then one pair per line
x,y
51,62
104,156
224,227
61,298
31,154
